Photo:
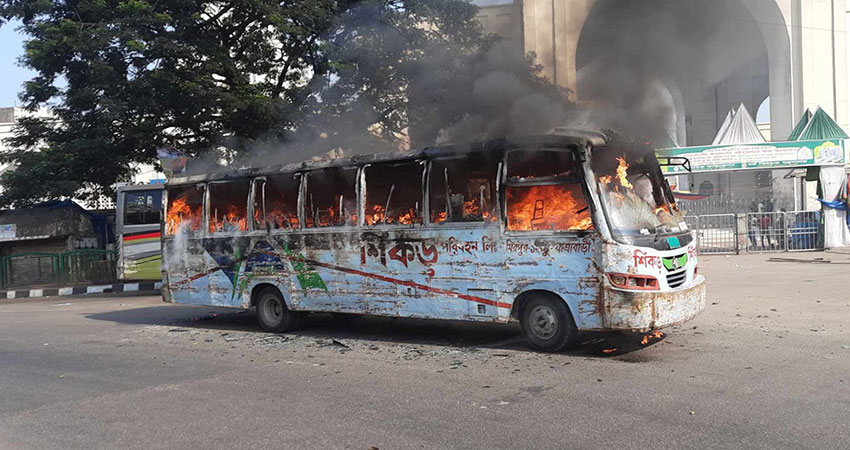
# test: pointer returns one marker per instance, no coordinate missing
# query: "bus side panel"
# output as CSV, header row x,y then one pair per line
x,y
466,262
186,266
564,265
317,281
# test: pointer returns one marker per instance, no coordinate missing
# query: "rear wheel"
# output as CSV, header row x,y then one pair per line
x,y
548,324
273,314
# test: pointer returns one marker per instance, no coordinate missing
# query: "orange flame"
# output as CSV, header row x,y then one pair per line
x,y
622,173
471,209
378,215
546,207
654,335
180,211
230,221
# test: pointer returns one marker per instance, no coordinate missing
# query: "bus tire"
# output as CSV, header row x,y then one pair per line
x,y
548,324
273,314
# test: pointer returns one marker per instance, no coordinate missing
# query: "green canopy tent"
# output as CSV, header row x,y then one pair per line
x,y
819,127
801,125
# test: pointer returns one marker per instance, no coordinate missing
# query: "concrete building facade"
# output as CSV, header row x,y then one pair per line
x,y
697,58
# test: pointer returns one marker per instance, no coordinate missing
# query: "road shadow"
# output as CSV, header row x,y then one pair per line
x,y
447,333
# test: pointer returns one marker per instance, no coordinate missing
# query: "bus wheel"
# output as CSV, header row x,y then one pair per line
x,y
548,324
273,314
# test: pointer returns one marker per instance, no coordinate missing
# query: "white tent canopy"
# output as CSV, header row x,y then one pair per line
x,y
738,128
723,128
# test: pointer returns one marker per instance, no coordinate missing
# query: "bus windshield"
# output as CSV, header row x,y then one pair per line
x,y
634,195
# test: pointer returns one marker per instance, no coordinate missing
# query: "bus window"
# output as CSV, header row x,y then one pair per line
x,y
142,207
634,194
530,164
185,209
543,192
228,207
276,202
331,198
394,194
462,190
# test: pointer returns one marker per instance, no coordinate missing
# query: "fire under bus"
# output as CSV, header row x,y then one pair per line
x,y
563,232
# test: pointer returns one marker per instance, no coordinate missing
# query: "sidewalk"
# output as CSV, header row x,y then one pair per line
x,y
81,290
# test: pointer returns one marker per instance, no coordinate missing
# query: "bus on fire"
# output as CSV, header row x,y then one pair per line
x,y
564,232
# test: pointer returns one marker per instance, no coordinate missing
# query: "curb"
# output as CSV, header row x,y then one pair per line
x,y
82,290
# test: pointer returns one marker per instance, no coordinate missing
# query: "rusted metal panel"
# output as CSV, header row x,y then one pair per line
x,y
436,273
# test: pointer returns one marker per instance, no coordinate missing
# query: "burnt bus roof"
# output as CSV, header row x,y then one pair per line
x,y
560,138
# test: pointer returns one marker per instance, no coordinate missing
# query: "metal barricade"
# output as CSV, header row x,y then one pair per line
x,y
88,266
717,233
766,232
29,269
804,231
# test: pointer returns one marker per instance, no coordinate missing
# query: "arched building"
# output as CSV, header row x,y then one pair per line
x,y
684,64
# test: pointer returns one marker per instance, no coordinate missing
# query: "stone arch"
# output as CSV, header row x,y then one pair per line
x,y
706,77
774,17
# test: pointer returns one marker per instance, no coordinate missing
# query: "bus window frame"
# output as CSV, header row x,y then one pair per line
x,y
298,207
123,202
496,197
580,157
248,218
302,201
423,196
166,197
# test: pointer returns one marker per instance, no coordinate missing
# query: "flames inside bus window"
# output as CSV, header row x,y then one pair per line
x,y
276,202
634,194
185,209
228,207
394,194
331,198
558,203
142,207
463,190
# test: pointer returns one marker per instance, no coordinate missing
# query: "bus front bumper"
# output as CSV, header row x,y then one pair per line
x,y
646,311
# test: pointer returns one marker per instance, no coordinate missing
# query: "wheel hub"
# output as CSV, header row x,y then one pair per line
x,y
273,310
544,322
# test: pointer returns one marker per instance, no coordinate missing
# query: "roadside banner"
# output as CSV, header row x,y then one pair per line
x,y
768,155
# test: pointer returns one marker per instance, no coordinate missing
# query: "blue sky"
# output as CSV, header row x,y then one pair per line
x,y
13,76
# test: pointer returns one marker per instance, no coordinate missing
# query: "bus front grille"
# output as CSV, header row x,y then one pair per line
x,y
675,280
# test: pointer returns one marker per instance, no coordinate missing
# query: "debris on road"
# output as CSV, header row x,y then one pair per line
x,y
810,261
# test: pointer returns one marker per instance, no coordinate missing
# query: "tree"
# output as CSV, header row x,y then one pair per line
x,y
238,79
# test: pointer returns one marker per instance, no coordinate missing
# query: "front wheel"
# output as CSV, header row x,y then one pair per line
x,y
548,324
273,314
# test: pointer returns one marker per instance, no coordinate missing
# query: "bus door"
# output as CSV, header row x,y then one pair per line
x,y
183,243
549,239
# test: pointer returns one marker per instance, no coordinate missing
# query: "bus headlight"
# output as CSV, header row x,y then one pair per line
x,y
633,282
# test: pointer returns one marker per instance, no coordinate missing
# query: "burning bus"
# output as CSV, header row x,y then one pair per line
x,y
563,232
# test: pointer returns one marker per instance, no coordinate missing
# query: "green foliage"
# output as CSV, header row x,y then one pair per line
x,y
232,78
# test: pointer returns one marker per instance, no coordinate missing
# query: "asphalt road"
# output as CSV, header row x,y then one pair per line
x,y
767,365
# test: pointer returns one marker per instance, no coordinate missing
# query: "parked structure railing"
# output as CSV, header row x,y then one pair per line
x,y
757,232
57,269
